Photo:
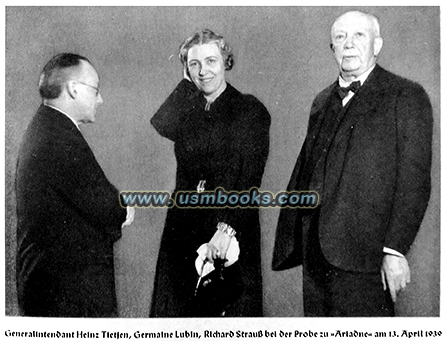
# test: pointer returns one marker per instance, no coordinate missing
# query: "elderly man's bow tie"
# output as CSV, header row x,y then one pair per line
x,y
343,92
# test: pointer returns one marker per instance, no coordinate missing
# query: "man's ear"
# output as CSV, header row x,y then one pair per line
x,y
71,89
378,43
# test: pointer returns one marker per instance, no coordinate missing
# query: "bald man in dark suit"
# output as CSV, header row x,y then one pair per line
x,y
368,154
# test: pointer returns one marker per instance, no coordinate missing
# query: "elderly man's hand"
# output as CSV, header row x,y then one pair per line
x,y
395,274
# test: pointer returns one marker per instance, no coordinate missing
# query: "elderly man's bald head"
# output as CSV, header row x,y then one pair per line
x,y
358,15
356,43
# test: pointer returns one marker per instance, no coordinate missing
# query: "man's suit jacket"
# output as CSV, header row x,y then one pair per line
x,y
69,216
376,176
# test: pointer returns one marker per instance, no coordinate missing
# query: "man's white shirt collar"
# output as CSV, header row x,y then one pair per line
x,y
345,84
67,115
360,78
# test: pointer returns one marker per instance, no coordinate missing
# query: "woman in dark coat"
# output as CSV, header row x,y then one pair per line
x,y
221,139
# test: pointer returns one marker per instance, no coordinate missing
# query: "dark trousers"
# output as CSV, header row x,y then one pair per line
x,y
332,292
87,292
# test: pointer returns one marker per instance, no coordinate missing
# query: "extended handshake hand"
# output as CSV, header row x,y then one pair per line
x,y
130,217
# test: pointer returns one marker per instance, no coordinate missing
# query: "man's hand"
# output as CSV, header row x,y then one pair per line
x,y
130,216
218,246
395,274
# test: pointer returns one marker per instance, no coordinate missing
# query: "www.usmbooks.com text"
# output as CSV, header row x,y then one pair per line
x,y
219,198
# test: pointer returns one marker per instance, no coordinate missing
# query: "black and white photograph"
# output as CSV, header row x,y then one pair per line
x,y
207,171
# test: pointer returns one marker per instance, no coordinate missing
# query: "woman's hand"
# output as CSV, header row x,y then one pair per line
x,y
186,74
218,246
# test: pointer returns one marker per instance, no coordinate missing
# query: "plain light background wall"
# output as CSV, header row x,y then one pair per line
x,y
282,57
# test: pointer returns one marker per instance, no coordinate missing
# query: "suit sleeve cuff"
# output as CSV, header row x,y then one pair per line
x,y
392,252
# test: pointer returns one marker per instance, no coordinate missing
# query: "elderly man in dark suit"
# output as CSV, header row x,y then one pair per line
x,y
69,214
368,154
